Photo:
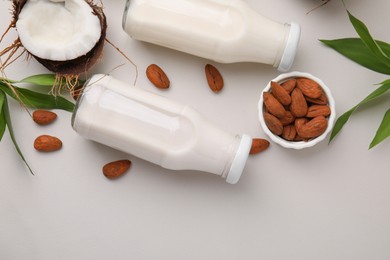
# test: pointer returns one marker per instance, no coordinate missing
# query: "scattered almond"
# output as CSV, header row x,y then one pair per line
x,y
258,145
47,143
157,76
43,117
116,169
214,78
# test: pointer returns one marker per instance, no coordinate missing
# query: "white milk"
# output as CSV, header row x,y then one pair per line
x,y
225,31
156,129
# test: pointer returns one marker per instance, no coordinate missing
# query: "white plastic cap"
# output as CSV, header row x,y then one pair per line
x,y
291,48
239,160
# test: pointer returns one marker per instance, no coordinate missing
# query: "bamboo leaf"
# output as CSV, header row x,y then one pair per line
x,y
47,80
7,117
340,122
2,100
2,118
2,125
383,131
355,50
366,37
38,100
4,80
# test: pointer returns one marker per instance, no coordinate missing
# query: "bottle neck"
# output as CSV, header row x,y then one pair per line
x,y
291,45
237,165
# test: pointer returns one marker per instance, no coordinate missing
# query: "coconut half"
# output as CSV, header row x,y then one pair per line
x,y
65,36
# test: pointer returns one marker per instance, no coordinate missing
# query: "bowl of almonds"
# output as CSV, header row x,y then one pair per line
x,y
296,110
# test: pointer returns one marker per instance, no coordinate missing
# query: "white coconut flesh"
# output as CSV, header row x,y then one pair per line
x,y
58,30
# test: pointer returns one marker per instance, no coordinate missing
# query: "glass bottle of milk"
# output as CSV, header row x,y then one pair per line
x,y
157,129
226,31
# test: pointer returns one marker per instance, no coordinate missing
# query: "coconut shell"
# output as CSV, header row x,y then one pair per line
x,y
80,64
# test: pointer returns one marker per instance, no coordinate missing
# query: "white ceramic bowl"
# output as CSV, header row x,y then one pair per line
x,y
294,144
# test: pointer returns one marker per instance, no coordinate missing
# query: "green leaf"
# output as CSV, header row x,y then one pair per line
x,y
47,80
365,35
4,80
355,50
2,100
383,131
7,117
2,125
38,100
2,118
340,122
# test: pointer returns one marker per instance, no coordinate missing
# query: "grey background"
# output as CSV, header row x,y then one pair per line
x,y
326,202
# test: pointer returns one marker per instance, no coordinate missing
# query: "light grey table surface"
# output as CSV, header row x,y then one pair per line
x,y
326,202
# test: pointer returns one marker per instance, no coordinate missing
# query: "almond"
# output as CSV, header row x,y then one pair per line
x,y
273,106
289,132
313,128
287,119
322,100
299,122
299,138
280,94
318,110
298,105
47,143
258,145
214,78
43,117
273,123
116,169
308,102
289,85
157,76
309,87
